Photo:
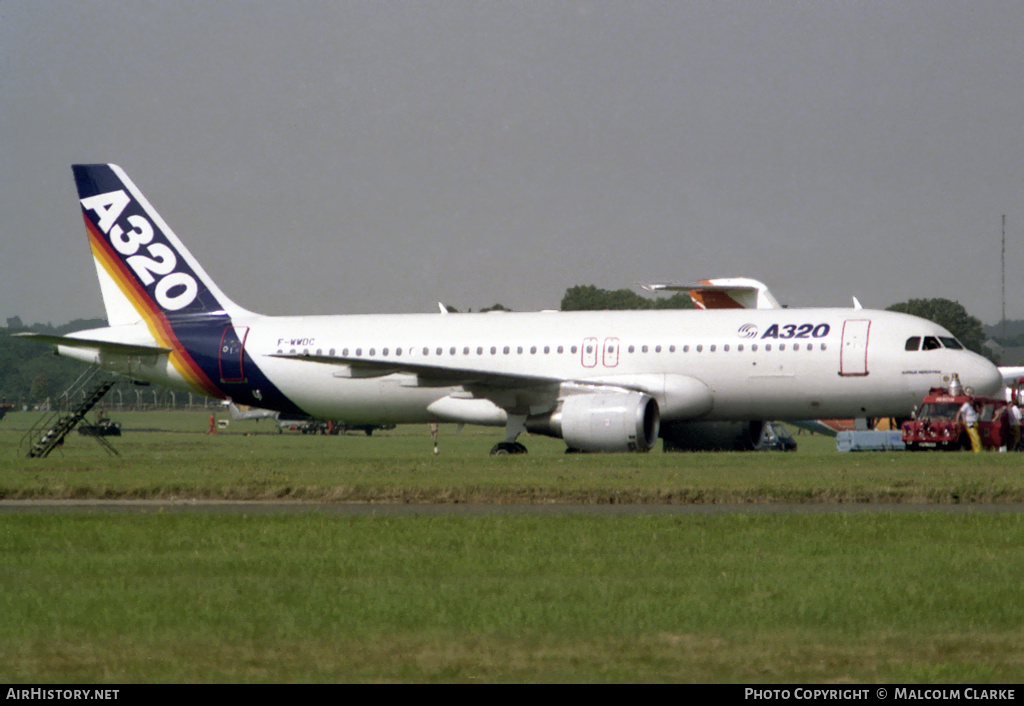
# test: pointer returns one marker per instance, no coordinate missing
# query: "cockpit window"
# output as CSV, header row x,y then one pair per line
x,y
951,343
913,343
931,343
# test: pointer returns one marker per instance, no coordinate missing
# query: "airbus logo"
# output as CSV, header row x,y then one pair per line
x,y
748,331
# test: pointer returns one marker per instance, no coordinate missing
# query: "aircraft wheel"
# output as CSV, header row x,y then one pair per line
x,y
506,448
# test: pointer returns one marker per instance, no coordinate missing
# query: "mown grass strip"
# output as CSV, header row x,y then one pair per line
x,y
398,466
311,597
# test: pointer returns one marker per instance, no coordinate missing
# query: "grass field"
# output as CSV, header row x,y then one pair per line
x,y
149,596
175,459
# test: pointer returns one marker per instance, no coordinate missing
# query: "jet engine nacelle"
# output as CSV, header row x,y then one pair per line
x,y
604,421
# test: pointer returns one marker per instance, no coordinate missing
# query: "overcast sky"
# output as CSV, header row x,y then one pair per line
x,y
354,157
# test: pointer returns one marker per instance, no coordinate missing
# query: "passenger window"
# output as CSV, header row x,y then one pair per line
x,y
913,343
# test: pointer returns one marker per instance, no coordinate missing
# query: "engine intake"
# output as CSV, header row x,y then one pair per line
x,y
605,421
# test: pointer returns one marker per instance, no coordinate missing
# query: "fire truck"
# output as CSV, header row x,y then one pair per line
x,y
935,424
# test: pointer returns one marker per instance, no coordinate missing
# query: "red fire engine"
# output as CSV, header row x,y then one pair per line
x,y
935,425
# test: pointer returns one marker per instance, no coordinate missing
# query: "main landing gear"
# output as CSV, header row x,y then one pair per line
x,y
507,448
515,425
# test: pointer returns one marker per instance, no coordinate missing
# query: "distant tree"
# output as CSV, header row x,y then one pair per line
x,y
591,298
676,301
950,315
495,307
40,389
1007,333
29,372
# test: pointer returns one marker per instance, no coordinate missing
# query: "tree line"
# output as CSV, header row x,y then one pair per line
x,y
30,374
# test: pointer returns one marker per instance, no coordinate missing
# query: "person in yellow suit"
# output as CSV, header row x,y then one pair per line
x,y
968,417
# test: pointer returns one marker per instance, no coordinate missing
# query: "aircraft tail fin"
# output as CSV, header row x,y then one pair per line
x,y
723,293
145,272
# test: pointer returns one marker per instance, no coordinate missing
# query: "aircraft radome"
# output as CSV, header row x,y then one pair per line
x,y
600,380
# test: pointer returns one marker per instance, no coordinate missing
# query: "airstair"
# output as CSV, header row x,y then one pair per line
x,y
60,424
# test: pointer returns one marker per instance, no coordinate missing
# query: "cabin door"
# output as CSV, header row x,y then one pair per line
x,y
853,356
232,353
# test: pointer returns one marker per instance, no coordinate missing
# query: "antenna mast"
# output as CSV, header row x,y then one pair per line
x,y
1003,264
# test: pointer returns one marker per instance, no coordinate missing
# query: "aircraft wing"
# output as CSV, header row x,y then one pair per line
x,y
427,375
484,397
680,396
114,347
1011,375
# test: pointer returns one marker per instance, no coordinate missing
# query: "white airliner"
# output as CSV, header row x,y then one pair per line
x,y
601,381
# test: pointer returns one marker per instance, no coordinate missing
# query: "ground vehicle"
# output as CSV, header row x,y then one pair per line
x,y
936,425
103,427
775,437
329,426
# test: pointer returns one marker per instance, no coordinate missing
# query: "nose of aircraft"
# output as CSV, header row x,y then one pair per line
x,y
983,377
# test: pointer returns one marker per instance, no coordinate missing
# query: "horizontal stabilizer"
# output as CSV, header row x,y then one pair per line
x,y
113,347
